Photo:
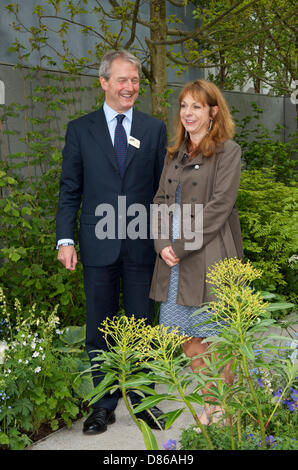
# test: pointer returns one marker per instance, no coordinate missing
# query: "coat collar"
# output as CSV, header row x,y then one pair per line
x,y
183,150
199,159
99,130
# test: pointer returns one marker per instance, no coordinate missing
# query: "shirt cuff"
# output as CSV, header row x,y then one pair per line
x,y
67,241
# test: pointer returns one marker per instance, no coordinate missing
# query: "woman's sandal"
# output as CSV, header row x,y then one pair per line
x,y
217,416
197,429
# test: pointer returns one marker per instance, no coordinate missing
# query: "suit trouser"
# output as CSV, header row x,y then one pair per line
x,y
102,289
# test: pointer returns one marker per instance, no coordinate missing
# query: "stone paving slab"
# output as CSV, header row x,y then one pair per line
x,y
122,435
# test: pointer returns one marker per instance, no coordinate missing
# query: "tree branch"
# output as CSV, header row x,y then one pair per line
x,y
176,3
196,33
133,25
77,24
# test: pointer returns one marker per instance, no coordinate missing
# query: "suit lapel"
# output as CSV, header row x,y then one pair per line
x,y
100,132
137,130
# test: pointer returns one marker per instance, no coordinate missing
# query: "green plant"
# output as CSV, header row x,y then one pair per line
x,y
39,383
244,342
134,346
245,319
268,217
260,149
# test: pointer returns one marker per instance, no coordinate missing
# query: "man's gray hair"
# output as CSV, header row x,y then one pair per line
x,y
109,57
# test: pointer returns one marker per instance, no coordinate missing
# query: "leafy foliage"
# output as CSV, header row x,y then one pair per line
x,y
40,381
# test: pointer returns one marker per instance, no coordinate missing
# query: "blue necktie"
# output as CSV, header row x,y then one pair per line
x,y
120,143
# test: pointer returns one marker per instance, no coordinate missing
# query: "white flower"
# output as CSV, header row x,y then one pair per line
x,y
33,345
3,346
43,356
293,260
24,343
38,369
35,354
20,360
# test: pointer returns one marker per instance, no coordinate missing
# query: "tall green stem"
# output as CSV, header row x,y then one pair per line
x,y
279,401
254,395
124,394
193,412
125,399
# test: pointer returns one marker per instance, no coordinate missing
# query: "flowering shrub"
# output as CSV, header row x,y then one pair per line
x,y
262,402
38,382
259,408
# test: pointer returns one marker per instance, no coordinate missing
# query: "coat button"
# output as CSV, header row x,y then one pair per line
x,y
167,196
197,167
169,180
176,166
194,183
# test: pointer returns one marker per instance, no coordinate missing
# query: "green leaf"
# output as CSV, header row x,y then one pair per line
x,y
4,439
267,295
279,306
102,388
172,416
137,381
74,334
14,257
148,436
262,325
196,398
247,350
149,402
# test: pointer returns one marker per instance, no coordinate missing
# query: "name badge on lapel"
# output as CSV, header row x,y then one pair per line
x,y
134,142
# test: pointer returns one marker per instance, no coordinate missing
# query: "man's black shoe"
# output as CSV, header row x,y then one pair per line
x,y
97,422
146,416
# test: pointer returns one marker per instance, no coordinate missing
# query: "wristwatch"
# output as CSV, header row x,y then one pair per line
x,y
64,244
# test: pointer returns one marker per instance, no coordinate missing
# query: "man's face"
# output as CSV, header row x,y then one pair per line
x,y
122,88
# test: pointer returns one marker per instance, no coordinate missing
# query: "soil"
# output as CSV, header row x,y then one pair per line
x,y
45,429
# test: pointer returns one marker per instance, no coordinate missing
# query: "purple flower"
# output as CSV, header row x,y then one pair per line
x,y
278,393
260,382
269,440
291,405
170,445
250,435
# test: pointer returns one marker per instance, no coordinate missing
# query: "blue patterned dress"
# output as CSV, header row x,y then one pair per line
x,y
172,314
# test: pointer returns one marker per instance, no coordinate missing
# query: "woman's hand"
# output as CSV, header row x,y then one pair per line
x,y
169,256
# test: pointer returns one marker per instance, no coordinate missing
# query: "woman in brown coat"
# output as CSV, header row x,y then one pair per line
x,y
201,177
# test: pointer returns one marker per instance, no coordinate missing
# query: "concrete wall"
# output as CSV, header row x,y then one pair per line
x,y
78,43
277,110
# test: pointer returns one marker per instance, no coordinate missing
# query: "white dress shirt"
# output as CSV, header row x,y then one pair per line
x,y
110,115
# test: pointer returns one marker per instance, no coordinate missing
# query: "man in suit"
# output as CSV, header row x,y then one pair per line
x,y
114,152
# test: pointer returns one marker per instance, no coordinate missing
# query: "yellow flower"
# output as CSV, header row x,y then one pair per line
x,y
236,303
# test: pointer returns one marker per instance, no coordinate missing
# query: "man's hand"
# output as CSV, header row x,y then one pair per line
x,y
169,256
68,257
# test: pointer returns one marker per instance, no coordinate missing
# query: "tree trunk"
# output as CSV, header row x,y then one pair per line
x,y
257,81
222,70
158,84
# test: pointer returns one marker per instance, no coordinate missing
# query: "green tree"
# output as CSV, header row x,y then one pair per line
x,y
166,41
259,43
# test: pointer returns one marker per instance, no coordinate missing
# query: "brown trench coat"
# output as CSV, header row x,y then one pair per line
x,y
211,181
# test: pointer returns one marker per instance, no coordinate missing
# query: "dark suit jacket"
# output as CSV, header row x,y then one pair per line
x,y
90,177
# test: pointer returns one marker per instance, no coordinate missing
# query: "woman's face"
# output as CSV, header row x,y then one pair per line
x,y
194,116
